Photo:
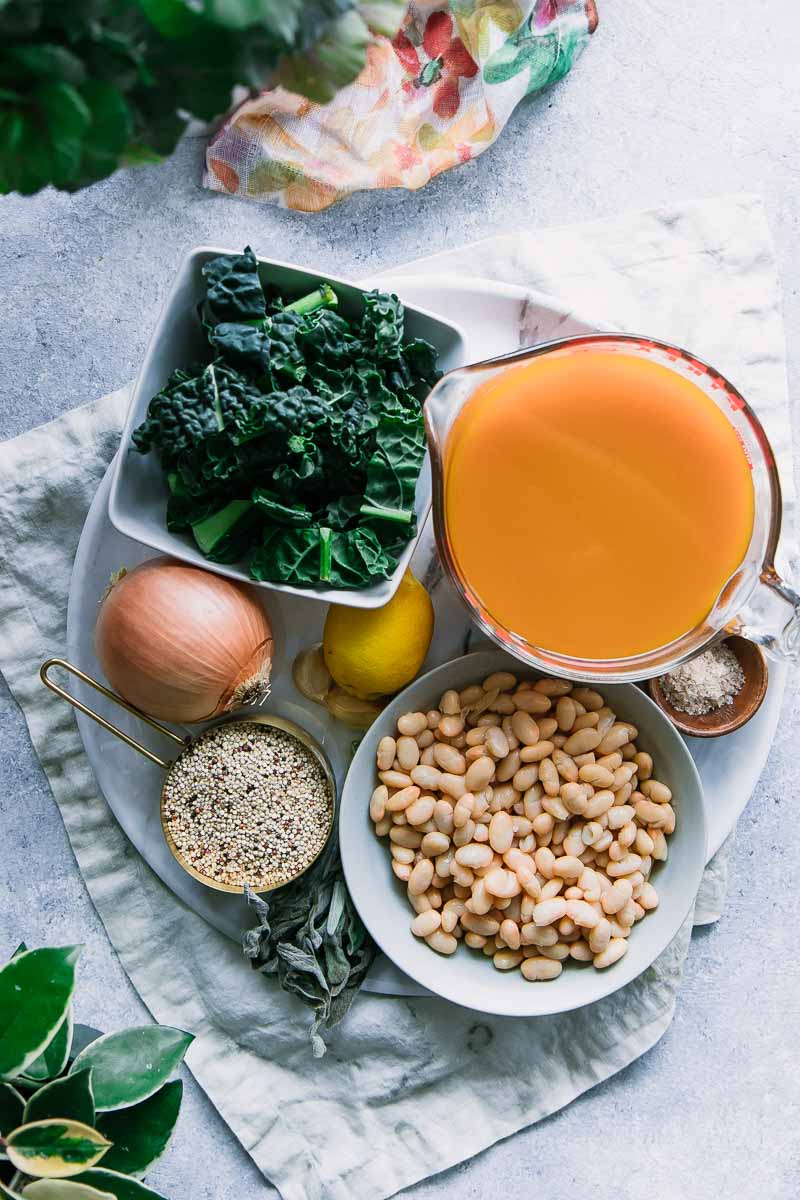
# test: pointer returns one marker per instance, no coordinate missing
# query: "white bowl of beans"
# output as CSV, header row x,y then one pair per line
x,y
521,845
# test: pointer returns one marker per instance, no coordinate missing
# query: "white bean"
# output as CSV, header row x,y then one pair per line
x,y
443,817
582,742
613,952
600,936
421,877
426,777
480,773
449,759
401,835
548,911
626,866
411,724
540,968
525,728
435,843
568,868
501,832
441,942
534,754
580,951
452,785
502,883
474,855
387,749
487,926
399,801
407,752
420,810
616,897
505,960
583,914
396,779
425,923
504,681
377,804
655,791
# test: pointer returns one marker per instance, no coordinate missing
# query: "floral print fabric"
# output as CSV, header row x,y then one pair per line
x,y
434,96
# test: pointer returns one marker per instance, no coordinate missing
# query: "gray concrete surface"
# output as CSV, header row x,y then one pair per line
x,y
671,101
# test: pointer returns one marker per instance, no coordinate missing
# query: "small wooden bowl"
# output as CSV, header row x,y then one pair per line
x,y
732,716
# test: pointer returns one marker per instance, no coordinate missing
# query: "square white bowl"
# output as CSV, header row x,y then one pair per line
x,y
138,498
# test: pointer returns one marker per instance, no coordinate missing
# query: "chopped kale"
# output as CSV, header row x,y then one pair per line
x,y
299,445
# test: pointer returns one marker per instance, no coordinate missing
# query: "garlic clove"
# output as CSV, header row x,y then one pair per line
x,y
311,677
352,711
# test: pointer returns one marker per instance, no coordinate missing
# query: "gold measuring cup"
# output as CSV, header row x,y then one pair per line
x,y
167,765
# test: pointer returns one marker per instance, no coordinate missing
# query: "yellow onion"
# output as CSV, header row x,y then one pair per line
x,y
183,644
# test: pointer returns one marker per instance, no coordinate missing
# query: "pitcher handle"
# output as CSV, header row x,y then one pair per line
x,y
772,617
44,675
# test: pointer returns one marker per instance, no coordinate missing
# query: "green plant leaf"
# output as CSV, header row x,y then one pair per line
x,y
140,1134
172,18
120,1186
336,59
20,18
55,1148
67,118
12,1108
55,1057
383,16
83,1036
132,1065
35,992
241,14
68,1097
109,132
63,1189
49,60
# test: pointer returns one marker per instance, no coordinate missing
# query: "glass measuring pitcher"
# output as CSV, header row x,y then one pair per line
x,y
754,601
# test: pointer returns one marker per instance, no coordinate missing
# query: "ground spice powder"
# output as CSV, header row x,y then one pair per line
x,y
706,683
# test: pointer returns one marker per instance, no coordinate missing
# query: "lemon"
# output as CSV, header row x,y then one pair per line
x,y
372,652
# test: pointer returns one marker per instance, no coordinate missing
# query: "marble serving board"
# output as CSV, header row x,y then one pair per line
x,y
497,319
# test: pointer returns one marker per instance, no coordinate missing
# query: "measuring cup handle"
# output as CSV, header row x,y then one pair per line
x,y
772,618
44,675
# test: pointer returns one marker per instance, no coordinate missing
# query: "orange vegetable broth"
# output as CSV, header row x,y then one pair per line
x,y
596,502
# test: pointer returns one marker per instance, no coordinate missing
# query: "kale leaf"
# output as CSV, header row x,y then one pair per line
x,y
179,417
287,555
281,514
394,467
233,289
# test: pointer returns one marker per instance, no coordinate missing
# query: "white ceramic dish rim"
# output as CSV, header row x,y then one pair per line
x,y
159,538
399,945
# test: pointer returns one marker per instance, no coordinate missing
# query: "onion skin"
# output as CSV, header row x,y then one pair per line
x,y
183,644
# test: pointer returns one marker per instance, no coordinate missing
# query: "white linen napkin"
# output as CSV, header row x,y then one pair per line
x,y
395,1099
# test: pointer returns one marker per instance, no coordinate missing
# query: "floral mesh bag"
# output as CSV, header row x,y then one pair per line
x,y
434,96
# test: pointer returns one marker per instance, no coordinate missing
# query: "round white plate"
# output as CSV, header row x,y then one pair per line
x,y
497,318
467,978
